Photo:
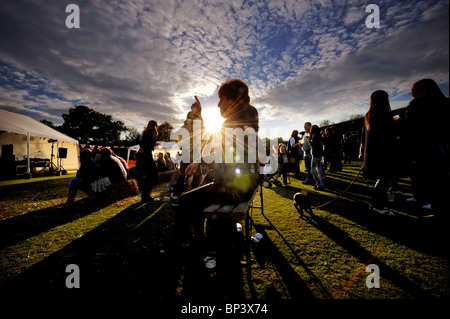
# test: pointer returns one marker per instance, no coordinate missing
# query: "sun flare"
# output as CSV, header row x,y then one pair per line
x,y
212,120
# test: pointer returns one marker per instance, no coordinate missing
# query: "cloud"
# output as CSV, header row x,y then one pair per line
x,y
342,87
140,60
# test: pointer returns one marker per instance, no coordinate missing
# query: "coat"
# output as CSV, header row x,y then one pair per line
x,y
378,144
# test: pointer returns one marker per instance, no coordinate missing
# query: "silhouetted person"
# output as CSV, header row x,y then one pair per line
x,y
145,164
428,154
233,182
377,141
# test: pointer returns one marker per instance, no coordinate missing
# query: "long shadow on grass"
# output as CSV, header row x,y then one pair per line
x,y
354,248
417,233
16,229
295,285
124,259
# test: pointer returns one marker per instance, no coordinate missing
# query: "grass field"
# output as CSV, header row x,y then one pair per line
x,y
125,249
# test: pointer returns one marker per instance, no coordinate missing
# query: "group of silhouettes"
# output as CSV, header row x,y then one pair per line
x,y
99,169
415,146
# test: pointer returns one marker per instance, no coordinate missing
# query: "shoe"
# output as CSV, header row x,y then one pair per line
x,y
319,188
284,185
384,211
411,200
427,206
175,197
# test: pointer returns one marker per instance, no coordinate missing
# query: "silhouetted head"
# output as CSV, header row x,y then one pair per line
x,y
426,87
314,129
86,154
105,152
234,104
379,110
232,95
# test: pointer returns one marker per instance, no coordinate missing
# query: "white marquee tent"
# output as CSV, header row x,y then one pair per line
x,y
160,146
33,139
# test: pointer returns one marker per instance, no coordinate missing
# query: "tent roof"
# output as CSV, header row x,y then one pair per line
x,y
21,124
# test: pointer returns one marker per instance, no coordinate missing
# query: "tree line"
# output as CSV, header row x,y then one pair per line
x,y
94,128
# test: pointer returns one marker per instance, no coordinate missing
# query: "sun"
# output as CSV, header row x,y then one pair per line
x,y
212,120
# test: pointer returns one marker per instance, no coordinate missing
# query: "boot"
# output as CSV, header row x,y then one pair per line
x,y
91,197
70,199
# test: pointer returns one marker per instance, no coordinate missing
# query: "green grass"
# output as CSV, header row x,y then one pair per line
x,y
127,247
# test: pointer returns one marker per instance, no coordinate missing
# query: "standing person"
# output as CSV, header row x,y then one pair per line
x,y
307,154
145,164
347,148
428,155
283,163
233,182
378,140
195,114
317,154
326,140
293,152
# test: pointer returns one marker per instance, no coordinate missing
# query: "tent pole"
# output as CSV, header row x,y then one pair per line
x,y
28,154
57,158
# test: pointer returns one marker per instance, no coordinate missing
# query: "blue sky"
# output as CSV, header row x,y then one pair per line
x,y
141,60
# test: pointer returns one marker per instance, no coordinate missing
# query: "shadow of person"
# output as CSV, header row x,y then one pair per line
x,y
213,269
355,249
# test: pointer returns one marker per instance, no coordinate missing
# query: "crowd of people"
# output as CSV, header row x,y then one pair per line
x,y
390,149
164,162
319,149
96,174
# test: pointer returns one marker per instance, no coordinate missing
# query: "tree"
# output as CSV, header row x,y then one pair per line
x,y
91,127
325,123
165,136
352,117
49,123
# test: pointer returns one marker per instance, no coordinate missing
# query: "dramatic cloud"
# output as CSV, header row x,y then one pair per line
x,y
140,60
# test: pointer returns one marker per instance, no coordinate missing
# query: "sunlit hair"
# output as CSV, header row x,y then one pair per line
x,y
294,133
427,87
152,127
280,146
235,90
379,110
151,124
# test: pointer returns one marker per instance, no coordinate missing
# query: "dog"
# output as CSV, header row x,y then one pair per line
x,y
302,203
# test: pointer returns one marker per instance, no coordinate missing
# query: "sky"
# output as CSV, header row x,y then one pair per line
x,y
140,60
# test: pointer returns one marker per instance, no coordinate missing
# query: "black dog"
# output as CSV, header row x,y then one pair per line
x,y
302,202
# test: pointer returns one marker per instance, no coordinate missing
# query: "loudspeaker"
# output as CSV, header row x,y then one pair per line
x,y
62,152
7,150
